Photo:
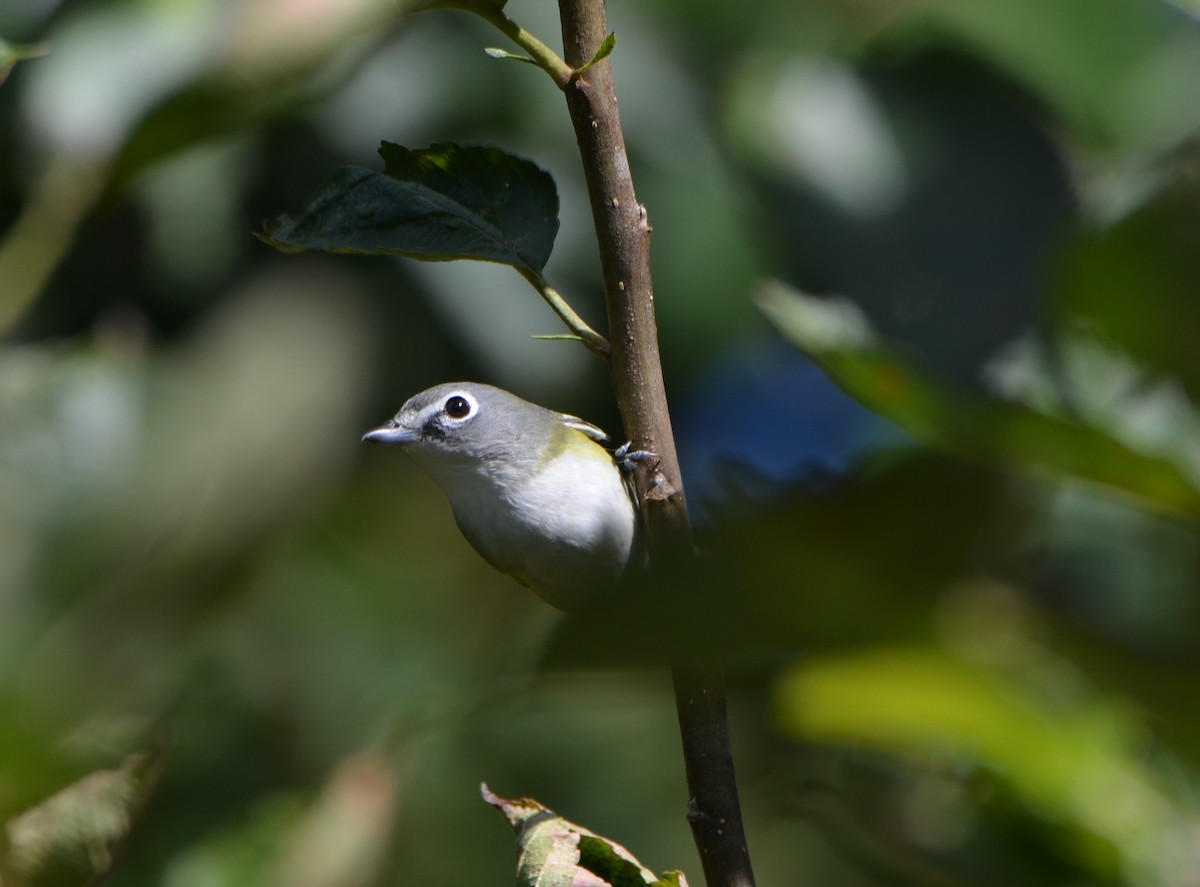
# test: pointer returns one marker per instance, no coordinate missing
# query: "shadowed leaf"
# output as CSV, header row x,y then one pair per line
x,y
445,202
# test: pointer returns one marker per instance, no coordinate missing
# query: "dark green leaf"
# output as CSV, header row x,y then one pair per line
x,y
445,202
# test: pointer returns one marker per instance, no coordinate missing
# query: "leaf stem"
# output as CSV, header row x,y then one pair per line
x,y
541,54
595,342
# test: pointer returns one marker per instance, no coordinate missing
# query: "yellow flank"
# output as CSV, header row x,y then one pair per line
x,y
565,439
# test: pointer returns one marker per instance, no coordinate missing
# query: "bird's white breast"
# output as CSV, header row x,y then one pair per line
x,y
563,530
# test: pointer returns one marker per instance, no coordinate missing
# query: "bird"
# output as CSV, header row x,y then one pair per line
x,y
535,492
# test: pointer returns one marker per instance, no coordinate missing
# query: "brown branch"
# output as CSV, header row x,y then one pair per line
x,y
623,232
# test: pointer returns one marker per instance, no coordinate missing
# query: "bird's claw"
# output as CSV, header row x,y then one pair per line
x,y
628,458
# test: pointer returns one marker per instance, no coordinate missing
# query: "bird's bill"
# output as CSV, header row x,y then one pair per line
x,y
391,434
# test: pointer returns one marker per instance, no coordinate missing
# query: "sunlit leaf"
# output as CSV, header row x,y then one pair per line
x,y
836,335
1064,750
445,202
552,852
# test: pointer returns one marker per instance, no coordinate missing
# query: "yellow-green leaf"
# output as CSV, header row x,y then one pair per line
x,y
836,335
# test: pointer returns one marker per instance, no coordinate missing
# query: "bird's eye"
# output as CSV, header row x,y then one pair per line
x,y
457,407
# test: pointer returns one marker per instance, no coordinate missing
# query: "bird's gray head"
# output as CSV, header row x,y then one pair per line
x,y
466,421
532,490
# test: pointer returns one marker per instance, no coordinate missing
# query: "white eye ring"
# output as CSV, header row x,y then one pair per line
x,y
459,406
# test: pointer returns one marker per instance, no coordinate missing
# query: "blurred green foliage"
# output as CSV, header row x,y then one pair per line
x,y
970,658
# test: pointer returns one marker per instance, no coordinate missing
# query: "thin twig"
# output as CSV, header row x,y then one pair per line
x,y
624,238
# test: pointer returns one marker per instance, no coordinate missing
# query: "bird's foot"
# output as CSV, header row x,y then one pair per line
x,y
628,458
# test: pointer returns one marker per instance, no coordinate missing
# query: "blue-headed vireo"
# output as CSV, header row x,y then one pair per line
x,y
533,491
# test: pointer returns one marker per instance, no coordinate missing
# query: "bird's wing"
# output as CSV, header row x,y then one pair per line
x,y
596,434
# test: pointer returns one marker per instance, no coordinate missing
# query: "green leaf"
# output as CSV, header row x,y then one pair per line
x,y
835,334
552,852
605,50
498,53
445,202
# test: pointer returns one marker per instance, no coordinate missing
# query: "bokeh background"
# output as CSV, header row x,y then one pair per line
x,y
957,658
